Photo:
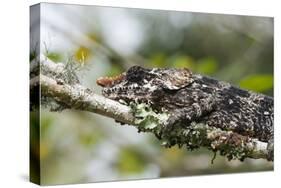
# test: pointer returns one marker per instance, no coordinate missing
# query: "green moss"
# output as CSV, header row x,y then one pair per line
x,y
130,162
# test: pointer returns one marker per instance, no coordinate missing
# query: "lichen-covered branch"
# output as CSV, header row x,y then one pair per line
x,y
81,98
60,83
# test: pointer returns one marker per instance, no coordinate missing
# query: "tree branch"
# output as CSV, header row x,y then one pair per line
x,y
80,98
72,95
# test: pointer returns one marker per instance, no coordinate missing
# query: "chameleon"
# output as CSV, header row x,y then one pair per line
x,y
189,97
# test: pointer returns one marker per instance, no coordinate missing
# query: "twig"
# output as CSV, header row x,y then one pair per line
x,y
81,98
76,96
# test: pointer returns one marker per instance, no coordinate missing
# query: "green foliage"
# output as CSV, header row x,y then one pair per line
x,y
183,62
56,57
89,138
207,66
158,60
258,82
130,162
215,47
114,70
46,123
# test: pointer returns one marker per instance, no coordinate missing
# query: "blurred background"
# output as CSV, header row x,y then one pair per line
x,y
79,147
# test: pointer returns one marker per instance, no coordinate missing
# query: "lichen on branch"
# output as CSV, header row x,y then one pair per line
x,y
70,94
227,143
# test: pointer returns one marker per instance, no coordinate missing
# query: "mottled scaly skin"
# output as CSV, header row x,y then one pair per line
x,y
220,105
191,97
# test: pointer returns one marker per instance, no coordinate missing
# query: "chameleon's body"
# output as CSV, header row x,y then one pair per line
x,y
191,97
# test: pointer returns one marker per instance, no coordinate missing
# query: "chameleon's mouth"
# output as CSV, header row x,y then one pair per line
x,y
116,87
110,81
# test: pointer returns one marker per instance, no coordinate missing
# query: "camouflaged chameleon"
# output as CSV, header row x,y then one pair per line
x,y
191,97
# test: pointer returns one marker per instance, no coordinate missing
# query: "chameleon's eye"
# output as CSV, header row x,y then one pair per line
x,y
136,73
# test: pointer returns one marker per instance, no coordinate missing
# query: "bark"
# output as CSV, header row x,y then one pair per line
x,y
72,95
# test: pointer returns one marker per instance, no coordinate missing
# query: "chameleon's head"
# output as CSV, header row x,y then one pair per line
x,y
140,84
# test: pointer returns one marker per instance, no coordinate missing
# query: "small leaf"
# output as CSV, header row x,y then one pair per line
x,y
55,57
258,83
115,69
183,62
88,140
207,66
46,124
158,60
130,162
